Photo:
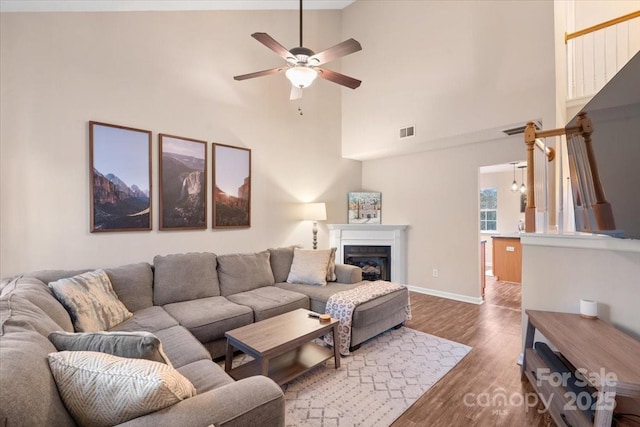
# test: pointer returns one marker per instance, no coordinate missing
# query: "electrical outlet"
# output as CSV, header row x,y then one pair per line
x,y
435,272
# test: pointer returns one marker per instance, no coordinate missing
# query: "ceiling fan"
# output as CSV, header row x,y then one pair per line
x,y
303,64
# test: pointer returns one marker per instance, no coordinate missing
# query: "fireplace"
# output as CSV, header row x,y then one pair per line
x,y
375,261
393,237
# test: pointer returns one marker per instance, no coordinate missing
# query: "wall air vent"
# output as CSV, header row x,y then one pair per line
x,y
408,131
520,129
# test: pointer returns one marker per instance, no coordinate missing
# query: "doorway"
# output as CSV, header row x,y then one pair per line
x,y
501,220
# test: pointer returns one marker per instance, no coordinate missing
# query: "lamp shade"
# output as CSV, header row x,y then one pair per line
x,y
301,76
314,212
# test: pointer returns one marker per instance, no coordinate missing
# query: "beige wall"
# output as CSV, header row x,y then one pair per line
x,y
437,194
167,72
556,278
454,71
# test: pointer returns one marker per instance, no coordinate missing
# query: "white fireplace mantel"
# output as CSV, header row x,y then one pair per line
x,y
395,236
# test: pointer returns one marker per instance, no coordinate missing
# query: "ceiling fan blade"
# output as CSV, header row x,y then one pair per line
x,y
259,73
272,44
296,93
341,79
338,51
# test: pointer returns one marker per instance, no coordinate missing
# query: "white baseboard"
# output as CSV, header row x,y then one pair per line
x,y
448,295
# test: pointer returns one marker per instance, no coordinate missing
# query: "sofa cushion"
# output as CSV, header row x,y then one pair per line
x,y
133,345
270,301
181,347
184,277
318,295
25,313
100,389
209,318
243,272
91,301
309,267
280,260
28,394
40,295
133,283
150,319
205,375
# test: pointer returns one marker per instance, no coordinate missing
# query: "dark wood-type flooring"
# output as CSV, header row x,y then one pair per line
x,y
493,329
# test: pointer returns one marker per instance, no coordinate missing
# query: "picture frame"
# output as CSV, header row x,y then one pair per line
x,y
231,186
183,183
120,178
365,207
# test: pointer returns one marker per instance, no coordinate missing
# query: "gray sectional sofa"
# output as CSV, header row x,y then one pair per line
x,y
188,301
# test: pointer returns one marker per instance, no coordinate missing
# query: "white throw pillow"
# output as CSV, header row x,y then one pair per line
x,y
331,268
91,301
309,267
99,389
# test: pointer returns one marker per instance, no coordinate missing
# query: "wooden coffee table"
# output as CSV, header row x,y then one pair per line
x,y
281,346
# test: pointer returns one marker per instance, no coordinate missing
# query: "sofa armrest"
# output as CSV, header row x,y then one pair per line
x,y
348,274
252,401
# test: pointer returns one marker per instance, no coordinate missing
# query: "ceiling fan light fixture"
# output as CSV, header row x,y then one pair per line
x,y
301,76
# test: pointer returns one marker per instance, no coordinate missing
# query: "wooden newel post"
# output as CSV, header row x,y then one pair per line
x,y
530,211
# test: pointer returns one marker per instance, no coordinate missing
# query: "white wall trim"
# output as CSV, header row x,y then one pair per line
x,y
447,295
581,241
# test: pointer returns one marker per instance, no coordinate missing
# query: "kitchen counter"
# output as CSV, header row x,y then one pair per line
x,y
507,257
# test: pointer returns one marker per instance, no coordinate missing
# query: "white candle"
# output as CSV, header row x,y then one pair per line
x,y
588,309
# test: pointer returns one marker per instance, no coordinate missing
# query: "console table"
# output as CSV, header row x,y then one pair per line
x,y
593,346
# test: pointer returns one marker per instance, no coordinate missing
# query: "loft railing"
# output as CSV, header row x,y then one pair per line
x,y
595,54
593,211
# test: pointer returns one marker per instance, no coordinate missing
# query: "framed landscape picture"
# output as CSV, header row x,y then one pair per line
x,y
183,183
231,186
120,178
364,207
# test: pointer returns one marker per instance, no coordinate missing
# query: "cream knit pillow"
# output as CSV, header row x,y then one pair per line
x,y
309,267
99,389
91,301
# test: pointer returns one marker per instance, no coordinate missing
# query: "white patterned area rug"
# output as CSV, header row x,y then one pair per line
x,y
375,384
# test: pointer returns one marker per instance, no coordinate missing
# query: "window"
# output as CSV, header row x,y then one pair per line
x,y
489,209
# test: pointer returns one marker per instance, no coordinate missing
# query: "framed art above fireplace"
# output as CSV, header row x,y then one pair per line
x,y
364,207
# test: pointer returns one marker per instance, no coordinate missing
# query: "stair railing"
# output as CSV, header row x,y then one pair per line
x,y
595,54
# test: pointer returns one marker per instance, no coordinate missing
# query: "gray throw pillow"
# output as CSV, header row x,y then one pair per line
x,y
91,301
133,345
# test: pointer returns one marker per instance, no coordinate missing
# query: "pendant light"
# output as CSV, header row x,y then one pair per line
x,y
514,184
523,187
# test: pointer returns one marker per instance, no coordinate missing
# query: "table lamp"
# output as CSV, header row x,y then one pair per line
x,y
314,212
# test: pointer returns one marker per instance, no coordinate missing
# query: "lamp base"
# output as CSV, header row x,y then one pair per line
x,y
315,235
